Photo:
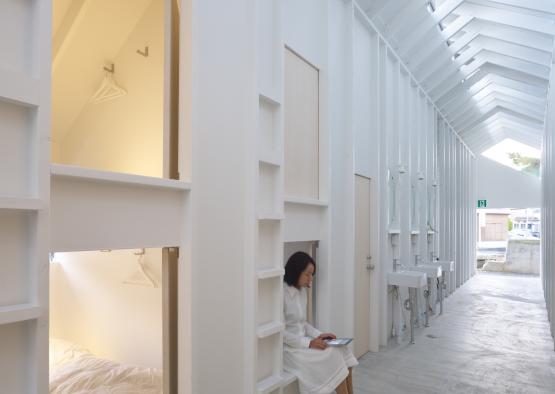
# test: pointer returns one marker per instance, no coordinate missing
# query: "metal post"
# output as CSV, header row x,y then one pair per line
x,y
412,302
427,293
440,289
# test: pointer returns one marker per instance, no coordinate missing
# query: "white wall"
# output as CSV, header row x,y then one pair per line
x,y
91,306
504,187
124,134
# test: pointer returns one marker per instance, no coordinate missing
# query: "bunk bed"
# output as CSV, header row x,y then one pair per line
x,y
73,369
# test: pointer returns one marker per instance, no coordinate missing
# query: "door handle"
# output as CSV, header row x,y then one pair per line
x,y
370,267
368,257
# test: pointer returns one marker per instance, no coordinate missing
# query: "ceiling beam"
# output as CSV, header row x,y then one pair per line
x,y
493,111
507,86
511,18
493,72
547,6
486,57
456,72
476,112
486,96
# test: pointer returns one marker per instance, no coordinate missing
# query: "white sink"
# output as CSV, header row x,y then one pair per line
x,y
407,279
446,266
431,270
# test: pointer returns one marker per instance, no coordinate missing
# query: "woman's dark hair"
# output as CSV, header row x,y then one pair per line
x,y
296,264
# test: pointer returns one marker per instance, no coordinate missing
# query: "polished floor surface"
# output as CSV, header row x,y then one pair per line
x,y
492,338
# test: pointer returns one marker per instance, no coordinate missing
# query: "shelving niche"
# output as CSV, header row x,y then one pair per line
x,y
19,150
17,343
16,266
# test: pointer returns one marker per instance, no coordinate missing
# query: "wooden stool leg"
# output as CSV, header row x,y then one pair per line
x,y
342,388
349,381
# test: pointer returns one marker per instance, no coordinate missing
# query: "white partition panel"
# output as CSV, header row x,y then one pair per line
x,y
100,210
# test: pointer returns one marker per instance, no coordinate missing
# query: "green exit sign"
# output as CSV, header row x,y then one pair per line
x,y
482,203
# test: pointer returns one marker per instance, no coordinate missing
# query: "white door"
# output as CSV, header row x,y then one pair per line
x,y
363,265
301,117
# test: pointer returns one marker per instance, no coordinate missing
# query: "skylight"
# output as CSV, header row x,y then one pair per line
x,y
516,155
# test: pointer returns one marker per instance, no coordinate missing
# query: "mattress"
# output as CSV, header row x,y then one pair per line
x,y
74,370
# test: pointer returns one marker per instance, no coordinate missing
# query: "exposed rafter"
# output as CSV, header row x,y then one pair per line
x,y
485,63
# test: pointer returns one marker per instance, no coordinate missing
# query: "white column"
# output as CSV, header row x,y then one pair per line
x,y
224,122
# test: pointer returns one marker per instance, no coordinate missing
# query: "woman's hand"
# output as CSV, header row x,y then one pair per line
x,y
327,335
318,343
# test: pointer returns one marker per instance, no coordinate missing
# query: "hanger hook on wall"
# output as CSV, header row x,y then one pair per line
x,y
141,252
112,68
143,53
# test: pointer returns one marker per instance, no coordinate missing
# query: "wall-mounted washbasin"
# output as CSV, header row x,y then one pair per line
x,y
433,273
414,279
431,270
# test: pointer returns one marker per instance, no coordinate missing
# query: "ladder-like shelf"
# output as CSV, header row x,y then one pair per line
x,y
28,204
270,273
19,88
268,329
271,216
305,201
19,313
269,384
270,207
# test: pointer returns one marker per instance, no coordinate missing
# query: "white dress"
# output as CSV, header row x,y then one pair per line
x,y
318,371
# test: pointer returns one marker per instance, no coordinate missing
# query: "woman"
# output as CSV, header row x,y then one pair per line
x,y
320,369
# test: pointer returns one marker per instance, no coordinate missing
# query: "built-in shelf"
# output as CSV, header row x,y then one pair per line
x,y
269,99
265,330
31,204
271,216
288,378
269,384
18,88
431,232
415,232
18,313
270,273
305,201
63,170
394,231
271,161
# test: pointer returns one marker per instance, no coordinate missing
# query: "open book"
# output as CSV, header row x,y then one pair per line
x,y
338,341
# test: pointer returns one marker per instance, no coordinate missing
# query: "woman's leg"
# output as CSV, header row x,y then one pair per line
x,y
349,381
342,388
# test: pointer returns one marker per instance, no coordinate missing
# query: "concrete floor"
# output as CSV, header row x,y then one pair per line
x,y
492,338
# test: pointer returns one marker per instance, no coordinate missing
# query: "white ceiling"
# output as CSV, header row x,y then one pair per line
x,y
486,63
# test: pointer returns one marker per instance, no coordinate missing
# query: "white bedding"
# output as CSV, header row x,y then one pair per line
x,y
74,370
